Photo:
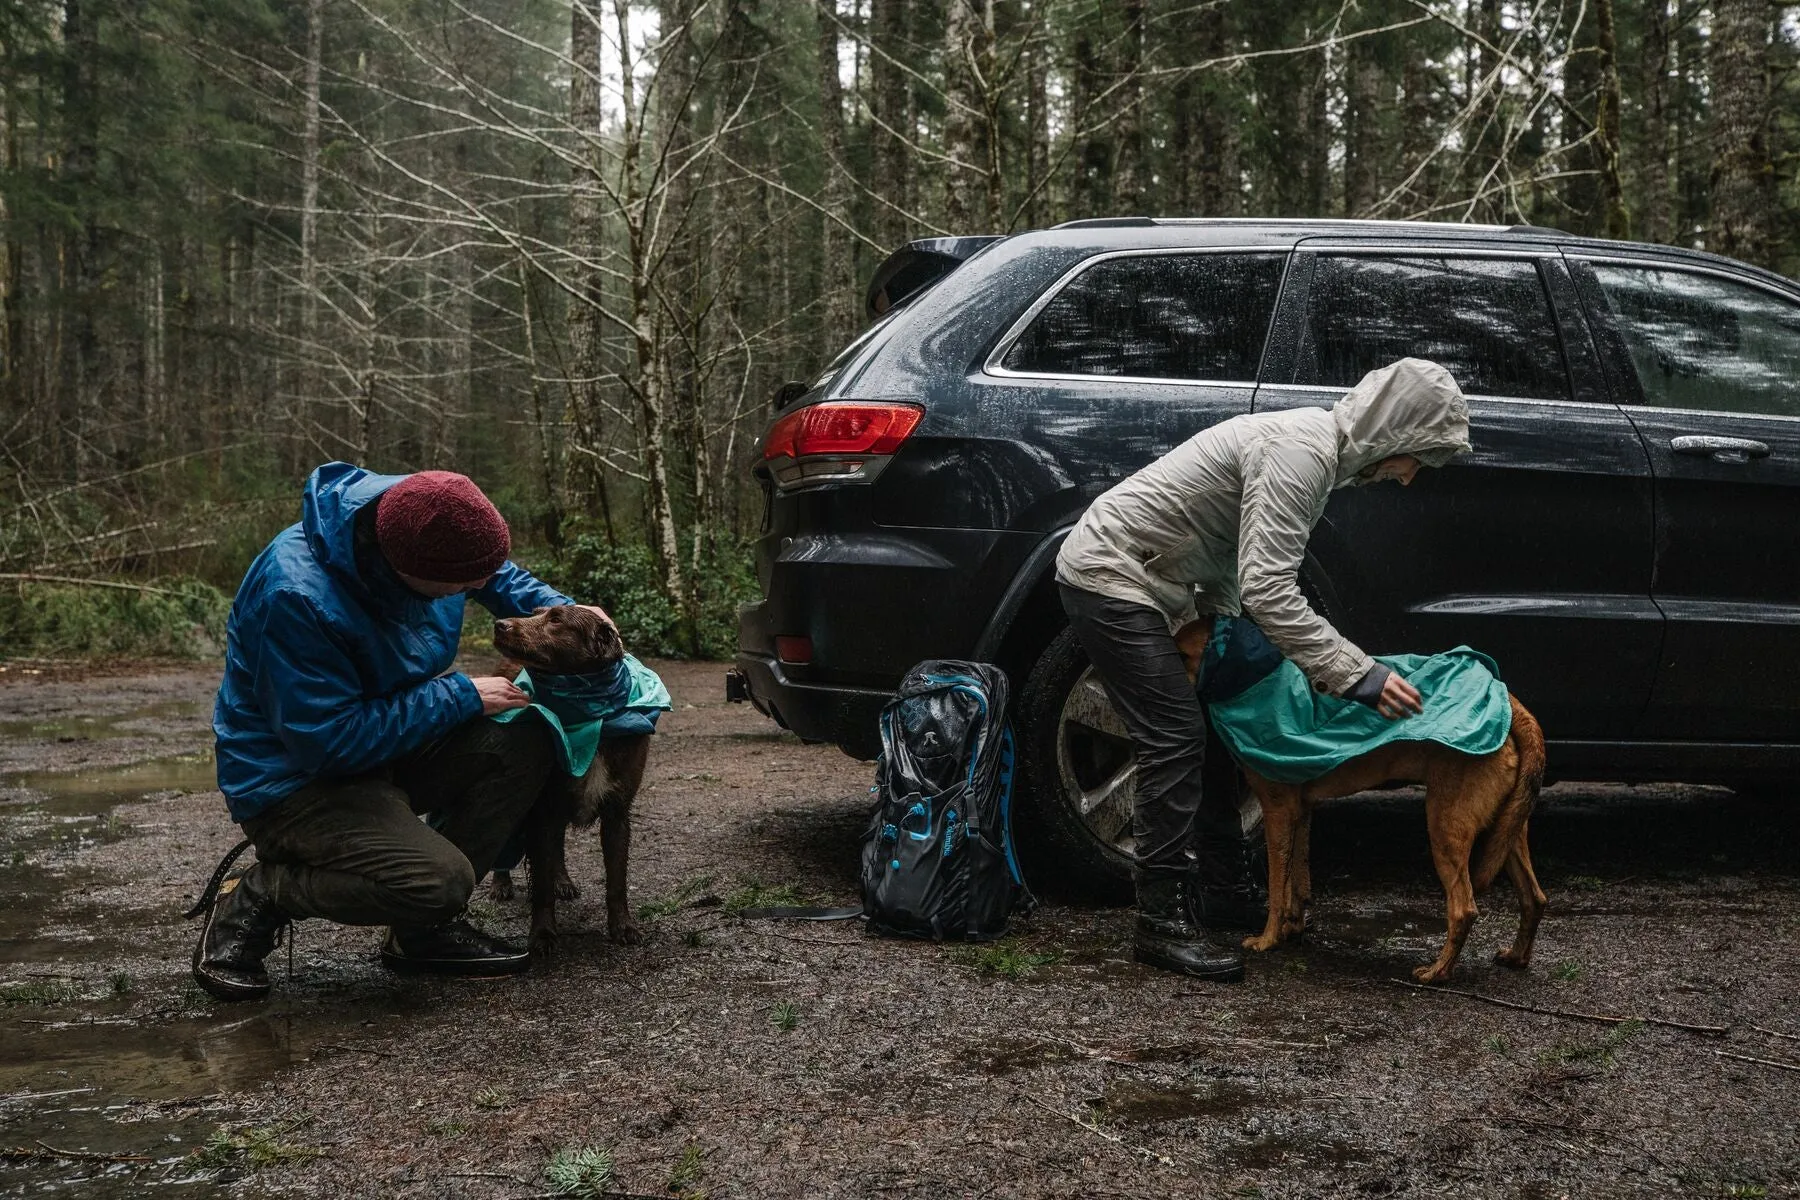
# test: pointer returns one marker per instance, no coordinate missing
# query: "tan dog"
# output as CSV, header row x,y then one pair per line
x,y
576,640
1465,797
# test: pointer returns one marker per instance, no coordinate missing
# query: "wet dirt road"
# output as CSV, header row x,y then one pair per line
x,y
733,1058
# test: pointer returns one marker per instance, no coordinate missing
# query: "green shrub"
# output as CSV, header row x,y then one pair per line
x,y
623,577
184,618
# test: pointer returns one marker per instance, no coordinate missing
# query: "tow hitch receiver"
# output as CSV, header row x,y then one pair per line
x,y
737,687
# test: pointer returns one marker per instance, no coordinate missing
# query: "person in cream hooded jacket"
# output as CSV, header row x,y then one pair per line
x,y
1219,526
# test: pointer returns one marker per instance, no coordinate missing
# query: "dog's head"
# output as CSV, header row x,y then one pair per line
x,y
568,639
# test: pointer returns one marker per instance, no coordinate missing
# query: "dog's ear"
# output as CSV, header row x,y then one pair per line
x,y
604,640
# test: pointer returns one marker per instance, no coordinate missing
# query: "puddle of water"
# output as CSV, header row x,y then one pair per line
x,y
1141,1102
111,1087
82,727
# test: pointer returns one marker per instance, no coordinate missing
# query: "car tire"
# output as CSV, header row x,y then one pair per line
x,y
1077,766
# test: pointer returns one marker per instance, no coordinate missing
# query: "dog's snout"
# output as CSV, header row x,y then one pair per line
x,y
502,626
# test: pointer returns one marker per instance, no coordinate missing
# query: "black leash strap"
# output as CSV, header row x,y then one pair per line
x,y
799,912
210,892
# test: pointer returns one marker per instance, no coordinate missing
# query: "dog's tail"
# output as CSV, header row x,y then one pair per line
x,y
1527,738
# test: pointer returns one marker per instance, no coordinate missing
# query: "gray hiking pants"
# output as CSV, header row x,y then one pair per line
x,y
1135,657
354,850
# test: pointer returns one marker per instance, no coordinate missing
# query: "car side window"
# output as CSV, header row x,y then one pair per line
x,y
1699,341
1487,321
1165,316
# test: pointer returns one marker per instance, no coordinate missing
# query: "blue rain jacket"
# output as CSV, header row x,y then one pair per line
x,y
329,673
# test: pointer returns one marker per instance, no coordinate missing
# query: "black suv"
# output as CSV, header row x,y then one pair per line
x,y
1624,540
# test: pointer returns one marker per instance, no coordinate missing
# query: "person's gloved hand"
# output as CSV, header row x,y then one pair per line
x,y
1386,693
498,694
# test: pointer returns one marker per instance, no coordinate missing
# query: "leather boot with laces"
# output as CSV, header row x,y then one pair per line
x,y
240,931
453,948
1167,936
1228,887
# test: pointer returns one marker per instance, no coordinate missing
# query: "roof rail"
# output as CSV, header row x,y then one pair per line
x,y
1539,229
1108,223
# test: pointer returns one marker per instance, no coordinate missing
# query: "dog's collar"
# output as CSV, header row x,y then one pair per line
x,y
584,697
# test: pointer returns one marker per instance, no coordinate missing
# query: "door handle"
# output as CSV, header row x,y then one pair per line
x,y
1719,449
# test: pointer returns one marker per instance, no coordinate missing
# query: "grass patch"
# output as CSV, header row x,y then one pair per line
x,y
491,1099
256,1147
446,1127
755,894
1007,959
677,900
1585,883
1497,1045
585,1172
121,983
688,1172
693,939
1567,972
785,1016
1599,1053
44,993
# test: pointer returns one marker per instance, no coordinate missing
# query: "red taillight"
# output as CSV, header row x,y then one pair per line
x,y
841,427
793,649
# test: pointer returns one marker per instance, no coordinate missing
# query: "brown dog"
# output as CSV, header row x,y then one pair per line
x,y
1466,796
576,640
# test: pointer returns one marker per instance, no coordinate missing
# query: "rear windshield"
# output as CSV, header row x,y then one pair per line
x,y
1156,316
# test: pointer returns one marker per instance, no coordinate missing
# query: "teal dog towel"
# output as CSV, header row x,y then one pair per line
x,y
584,709
1274,722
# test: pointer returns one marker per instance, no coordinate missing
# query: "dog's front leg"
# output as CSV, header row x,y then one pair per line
x,y
1281,818
615,848
547,828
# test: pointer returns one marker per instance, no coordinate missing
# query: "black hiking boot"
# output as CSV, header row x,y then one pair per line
x,y
240,930
453,948
1167,936
1228,888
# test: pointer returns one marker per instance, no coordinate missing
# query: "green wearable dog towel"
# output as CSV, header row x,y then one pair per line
x,y
584,709
1285,730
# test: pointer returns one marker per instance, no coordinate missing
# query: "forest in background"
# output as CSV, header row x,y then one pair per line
x,y
571,248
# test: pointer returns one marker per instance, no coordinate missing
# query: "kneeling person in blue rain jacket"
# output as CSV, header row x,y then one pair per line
x,y
337,725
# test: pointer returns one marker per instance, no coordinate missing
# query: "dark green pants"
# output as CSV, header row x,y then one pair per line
x,y
354,850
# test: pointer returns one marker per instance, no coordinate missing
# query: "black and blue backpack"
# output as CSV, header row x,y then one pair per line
x,y
938,858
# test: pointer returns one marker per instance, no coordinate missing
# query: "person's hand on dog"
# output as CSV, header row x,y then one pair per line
x,y
498,694
1399,699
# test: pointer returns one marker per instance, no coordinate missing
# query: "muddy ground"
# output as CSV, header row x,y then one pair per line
x,y
733,1058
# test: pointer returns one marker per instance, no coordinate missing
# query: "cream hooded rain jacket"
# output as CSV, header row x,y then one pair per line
x,y
1220,523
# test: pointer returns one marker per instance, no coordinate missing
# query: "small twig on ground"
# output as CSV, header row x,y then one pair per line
x,y
1570,1013
44,1150
351,1049
1792,1037
1767,1062
18,1096
1094,1129
488,1175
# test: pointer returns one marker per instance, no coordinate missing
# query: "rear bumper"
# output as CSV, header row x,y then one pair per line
x,y
818,712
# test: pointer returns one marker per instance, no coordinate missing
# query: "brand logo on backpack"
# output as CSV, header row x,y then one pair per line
x,y
938,859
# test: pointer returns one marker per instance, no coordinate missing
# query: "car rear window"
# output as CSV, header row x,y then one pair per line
x,y
1164,316
1702,342
1488,321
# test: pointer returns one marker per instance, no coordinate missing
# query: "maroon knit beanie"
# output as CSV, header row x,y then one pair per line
x,y
437,526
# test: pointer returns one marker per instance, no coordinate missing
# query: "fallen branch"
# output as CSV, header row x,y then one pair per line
x,y
1094,1129
1792,1037
1767,1062
1569,1013
46,1151
16,1097
32,577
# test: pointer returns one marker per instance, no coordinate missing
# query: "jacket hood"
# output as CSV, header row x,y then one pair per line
x,y
334,493
1411,407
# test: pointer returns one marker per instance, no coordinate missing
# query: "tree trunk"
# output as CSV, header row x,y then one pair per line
x,y
837,287
892,156
1037,122
1653,171
1363,102
307,384
965,182
1093,190
582,484
1133,171
1743,178
1615,221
